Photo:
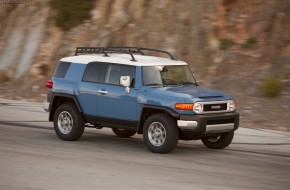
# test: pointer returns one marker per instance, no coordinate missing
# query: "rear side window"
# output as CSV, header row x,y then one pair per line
x,y
61,69
95,72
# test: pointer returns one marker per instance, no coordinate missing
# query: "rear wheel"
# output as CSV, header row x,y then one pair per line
x,y
160,133
218,142
125,133
68,123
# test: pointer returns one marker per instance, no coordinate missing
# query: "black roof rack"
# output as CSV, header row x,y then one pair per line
x,y
102,50
121,49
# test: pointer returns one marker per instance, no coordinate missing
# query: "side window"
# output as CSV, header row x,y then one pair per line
x,y
95,72
115,71
61,69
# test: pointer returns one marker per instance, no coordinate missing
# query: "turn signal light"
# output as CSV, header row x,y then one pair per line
x,y
49,84
182,106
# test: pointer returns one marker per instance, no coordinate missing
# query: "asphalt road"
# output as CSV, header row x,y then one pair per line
x,y
33,158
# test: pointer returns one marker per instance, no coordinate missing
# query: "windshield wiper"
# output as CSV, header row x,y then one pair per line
x,y
184,83
154,84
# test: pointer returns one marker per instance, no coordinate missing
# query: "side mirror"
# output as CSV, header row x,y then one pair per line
x,y
125,81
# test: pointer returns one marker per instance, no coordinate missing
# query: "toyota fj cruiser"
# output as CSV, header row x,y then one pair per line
x,y
125,89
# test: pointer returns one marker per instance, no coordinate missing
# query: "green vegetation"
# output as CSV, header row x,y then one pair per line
x,y
250,41
10,8
44,69
225,43
271,87
4,77
228,2
70,13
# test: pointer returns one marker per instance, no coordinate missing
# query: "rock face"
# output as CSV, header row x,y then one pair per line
x,y
232,45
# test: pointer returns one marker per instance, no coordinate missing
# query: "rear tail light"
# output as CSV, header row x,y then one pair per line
x,y
49,84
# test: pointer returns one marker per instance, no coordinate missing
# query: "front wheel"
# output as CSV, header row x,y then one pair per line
x,y
160,133
218,142
68,123
125,133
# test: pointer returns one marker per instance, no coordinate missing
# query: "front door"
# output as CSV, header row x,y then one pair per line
x,y
114,104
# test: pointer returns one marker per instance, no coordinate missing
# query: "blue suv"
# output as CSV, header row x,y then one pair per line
x,y
131,92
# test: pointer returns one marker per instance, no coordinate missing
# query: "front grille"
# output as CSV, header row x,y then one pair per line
x,y
215,107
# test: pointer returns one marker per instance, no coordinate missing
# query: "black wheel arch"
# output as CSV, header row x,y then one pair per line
x,y
149,110
59,99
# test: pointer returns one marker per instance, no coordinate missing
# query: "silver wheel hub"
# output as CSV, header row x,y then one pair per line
x,y
214,139
65,122
156,134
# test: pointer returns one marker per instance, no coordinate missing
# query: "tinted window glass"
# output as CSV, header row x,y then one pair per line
x,y
95,72
61,69
115,71
167,75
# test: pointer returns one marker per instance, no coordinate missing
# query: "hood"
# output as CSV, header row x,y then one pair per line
x,y
195,93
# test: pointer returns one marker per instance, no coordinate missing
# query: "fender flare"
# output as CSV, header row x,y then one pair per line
x,y
52,107
154,107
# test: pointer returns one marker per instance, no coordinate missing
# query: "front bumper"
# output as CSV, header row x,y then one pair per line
x,y
208,123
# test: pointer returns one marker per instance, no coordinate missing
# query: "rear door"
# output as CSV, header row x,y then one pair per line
x,y
88,91
115,106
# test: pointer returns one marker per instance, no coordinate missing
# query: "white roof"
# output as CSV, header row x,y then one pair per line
x,y
142,60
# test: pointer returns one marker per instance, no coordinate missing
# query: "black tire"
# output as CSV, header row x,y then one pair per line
x,y
218,142
165,125
63,116
124,133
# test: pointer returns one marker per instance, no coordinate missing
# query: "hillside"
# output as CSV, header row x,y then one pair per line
x,y
232,45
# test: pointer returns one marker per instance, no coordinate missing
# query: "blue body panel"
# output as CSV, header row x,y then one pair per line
x,y
147,97
138,78
170,95
190,93
88,95
117,104
75,72
69,84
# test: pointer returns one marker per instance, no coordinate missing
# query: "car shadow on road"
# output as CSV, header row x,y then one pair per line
x,y
136,144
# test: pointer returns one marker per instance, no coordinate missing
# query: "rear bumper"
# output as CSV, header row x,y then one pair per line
x,y
208,123
46,106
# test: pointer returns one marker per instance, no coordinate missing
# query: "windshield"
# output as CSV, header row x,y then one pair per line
x,y
167,75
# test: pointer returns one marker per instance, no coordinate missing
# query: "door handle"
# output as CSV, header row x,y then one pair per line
x,y
102,92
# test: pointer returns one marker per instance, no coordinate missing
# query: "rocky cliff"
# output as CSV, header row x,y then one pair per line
x,y
232,45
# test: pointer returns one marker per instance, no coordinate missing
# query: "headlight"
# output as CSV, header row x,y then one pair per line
x,y
232,105
197,107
